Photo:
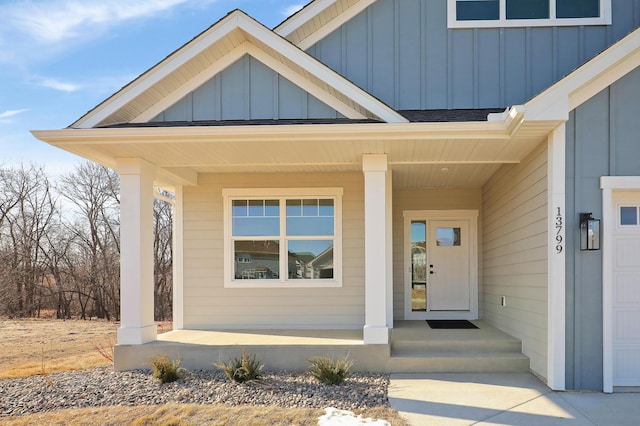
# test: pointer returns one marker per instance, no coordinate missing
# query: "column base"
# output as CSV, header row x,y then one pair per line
x,y
137,335
375,335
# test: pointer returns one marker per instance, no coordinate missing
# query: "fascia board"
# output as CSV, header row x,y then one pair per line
x,y
308,132
334,24
159,71
303,16
557,101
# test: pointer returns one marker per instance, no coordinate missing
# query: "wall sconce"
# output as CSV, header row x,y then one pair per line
x,y
589,232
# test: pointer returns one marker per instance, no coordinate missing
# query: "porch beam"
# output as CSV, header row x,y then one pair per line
x,y
137,324
376,235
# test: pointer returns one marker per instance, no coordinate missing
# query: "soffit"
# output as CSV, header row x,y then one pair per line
x,y
469,153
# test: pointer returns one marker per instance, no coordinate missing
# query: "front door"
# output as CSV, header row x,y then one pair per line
x,y
441,278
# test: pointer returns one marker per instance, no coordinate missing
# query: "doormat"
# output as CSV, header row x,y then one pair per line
x,y
450,324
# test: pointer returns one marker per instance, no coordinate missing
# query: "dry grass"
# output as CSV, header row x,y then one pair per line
x,y
182,414
32,347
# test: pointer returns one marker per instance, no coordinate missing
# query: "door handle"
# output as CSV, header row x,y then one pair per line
x,y
431,272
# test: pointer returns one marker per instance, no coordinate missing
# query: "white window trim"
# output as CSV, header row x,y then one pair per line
x,y
503,22
230,194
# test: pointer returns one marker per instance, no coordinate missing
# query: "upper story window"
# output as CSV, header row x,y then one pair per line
x,y
527,13
283,237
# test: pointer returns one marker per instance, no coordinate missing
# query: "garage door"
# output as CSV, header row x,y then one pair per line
x,y
626,292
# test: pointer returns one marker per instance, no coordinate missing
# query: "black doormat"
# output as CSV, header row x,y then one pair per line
x,y
450,324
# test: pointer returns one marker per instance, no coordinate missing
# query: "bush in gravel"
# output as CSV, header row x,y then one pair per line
x,y
330,372
165,369
245,369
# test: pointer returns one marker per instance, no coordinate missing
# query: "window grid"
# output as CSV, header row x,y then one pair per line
x,y
326,244
554,13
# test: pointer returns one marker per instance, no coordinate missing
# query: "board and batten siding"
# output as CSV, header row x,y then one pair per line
x,y
247,90
402,52
514,254
423,199
602,139
209,305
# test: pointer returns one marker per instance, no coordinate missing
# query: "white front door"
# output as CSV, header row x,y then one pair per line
x,y
626,291
441,266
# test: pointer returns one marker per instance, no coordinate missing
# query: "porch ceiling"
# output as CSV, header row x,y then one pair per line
x,y
419,154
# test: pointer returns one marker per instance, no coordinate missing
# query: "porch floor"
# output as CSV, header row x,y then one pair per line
x,y
414,347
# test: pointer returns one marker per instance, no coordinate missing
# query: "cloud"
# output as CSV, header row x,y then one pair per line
x,y
290,10
6,117
54,21
62,86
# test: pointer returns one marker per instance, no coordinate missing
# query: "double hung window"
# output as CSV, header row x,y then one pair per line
x,y
521,13
283,237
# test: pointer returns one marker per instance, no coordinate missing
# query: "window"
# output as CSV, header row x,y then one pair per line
x,y
277,237
524,13
628,216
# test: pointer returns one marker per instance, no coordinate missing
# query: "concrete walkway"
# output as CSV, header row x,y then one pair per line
x,y
504,399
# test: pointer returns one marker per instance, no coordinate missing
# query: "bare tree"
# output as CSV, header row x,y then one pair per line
x,y
163,257
93,191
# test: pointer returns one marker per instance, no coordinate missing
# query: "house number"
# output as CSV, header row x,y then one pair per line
x,y
559,225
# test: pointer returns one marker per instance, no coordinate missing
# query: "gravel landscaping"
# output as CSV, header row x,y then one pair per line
x,y
103,387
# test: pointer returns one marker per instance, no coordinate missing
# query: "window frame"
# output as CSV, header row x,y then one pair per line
x,y
281,194
552,21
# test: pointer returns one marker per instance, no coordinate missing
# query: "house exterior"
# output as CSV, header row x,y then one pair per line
x,y
368,161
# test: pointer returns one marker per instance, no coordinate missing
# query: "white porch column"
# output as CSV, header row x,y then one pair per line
x,y
376,234
556,286
178,261
136,252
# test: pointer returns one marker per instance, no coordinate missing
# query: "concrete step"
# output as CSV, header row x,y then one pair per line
x,y
417,347
459,362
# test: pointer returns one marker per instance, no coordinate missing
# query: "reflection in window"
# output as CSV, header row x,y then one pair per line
x,y
527,9
268,246
447,237
477,10
257,260
418,266
628,215
310,217
577,8
310,259
258,218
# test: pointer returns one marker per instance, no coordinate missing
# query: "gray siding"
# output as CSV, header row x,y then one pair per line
x,y
402,52
514,254
602,140
247,90
208,305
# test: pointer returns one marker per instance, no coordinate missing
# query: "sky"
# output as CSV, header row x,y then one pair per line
x,y
61,58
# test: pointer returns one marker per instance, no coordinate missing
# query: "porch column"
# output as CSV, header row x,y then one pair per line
x,y
376,235
556,286
137,324
178,260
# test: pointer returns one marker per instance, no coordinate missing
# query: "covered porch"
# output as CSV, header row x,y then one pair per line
x,y
414,347
382,166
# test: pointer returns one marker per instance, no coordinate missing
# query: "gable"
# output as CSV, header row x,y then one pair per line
x,y
214,50
247,90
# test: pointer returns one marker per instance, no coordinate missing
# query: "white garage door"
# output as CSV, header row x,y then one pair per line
x,y
626,291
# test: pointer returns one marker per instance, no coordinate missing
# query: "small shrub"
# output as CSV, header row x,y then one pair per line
x,y
165,369
330,372
242,370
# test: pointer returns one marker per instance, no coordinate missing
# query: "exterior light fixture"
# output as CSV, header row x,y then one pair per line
x,y
589,232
